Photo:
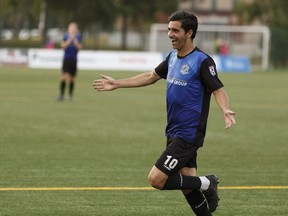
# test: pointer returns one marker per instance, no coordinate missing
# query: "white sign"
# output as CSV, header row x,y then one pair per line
x,y
96,60
45,58
13,57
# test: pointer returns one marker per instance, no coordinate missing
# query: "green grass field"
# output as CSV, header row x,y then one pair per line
x,y
91,156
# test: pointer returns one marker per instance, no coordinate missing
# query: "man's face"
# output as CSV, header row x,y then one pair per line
x,y
177,35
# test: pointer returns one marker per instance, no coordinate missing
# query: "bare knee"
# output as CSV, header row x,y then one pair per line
x,y
155,182
157,178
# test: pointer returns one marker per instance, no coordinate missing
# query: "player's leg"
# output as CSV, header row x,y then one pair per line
x,y
195,198
157,178
72,77
160,180
71,86
63,78
211,194
164,175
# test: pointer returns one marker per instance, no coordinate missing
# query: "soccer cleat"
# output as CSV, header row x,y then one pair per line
x,y
60,98
211,194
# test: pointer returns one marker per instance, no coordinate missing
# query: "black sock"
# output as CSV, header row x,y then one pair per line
x,y
198,203
71,88
62,87
178,181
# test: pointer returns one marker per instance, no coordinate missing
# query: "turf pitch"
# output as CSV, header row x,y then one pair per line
x,y
92,149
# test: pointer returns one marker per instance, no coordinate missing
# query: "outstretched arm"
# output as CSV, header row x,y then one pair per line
x,y
222,100
108,83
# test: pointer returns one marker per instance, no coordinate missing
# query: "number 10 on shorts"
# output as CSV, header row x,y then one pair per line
x,y
170,163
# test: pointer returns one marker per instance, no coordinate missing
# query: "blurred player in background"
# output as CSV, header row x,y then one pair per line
x,y
191,78
72,43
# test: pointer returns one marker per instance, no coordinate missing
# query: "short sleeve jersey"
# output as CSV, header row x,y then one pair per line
x,y
190,81
71,51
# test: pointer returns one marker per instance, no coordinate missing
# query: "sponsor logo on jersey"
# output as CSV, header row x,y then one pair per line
x,y
176,81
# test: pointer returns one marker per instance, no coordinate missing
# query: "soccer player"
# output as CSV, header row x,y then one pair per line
x,y
71,43
191,78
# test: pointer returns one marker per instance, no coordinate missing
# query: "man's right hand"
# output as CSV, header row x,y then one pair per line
x,y
105,84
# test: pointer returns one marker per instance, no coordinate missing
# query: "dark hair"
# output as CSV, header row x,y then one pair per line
x,y
188,21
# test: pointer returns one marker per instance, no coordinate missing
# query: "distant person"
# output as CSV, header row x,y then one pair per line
x,y
191,78
72,43
221,47
224,48
49,44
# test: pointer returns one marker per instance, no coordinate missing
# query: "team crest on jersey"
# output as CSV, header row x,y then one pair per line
x,y
212,70
185,69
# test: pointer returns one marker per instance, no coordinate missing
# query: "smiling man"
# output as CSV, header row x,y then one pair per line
x,y
191,78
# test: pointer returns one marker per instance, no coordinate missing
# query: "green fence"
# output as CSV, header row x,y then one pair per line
x,y
279,48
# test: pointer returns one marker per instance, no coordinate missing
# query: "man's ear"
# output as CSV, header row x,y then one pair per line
x,y
190,32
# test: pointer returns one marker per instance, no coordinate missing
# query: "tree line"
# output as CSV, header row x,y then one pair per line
x,y
274,14
100,15
89,14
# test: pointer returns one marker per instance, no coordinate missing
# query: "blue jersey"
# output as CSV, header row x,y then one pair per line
x,y
71,51
190,81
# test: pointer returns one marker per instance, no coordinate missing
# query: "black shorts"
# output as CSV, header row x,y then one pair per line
x,y
178,154
70,67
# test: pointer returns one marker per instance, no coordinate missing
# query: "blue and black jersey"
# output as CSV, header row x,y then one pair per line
x,y
71,51
190,81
